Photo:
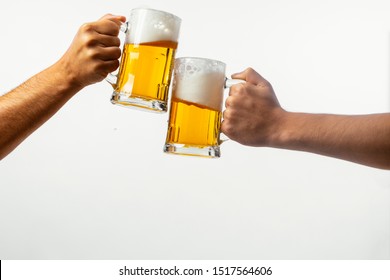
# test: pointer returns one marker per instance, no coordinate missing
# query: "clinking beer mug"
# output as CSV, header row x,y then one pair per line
x,y
196,107
147,60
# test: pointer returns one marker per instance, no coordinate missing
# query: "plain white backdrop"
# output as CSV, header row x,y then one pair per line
x,y
93,182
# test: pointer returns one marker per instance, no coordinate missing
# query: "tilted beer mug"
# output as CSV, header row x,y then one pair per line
x,y
147,60
196,107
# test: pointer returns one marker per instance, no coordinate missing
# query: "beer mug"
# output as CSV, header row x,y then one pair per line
x,y
147,60
196,107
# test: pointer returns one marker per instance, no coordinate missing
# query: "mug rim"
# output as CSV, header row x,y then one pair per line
x,y
155,10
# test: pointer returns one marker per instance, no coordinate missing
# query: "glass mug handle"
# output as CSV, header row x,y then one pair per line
x,y
227,84
112,78
231,82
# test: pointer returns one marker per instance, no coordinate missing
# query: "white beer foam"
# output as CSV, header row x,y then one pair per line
x,y
146,25
199,81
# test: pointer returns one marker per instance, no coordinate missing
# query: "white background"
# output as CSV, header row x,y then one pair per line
x,y
93,182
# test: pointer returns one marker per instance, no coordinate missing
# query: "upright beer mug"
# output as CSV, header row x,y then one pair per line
x,y
196,107
147,60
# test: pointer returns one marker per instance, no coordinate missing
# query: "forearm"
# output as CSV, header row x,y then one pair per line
x,y
28,106
362,139
93,54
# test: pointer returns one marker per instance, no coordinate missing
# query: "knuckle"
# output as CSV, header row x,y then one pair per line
x,y
228,102
227,128
97,67
89,40
227,114
236,89
112,66
115,64
232,102
249,70
239,89
92,53
117,53
112,27
87,27
224,124
265,84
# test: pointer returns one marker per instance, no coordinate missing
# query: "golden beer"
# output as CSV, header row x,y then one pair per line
x,y
145,71
147,60
193,125
196,107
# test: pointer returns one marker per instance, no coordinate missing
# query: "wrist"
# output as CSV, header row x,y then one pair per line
x,y
68,79
283,131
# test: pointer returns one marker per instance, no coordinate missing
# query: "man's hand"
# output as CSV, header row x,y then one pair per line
x,y
253,113
93,53
254,117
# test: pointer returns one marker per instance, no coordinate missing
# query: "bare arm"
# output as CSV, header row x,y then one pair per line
x,y
254,117
93,53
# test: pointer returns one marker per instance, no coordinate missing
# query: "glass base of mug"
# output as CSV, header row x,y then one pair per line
x,y
186,150
144,104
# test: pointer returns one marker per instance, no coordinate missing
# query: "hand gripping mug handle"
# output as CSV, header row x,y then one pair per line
x,y
112,78
227,84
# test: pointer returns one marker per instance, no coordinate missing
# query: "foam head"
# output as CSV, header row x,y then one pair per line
x,y
147,25
200,81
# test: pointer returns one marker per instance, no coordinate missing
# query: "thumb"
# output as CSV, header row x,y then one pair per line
x,y
250,75
114,18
